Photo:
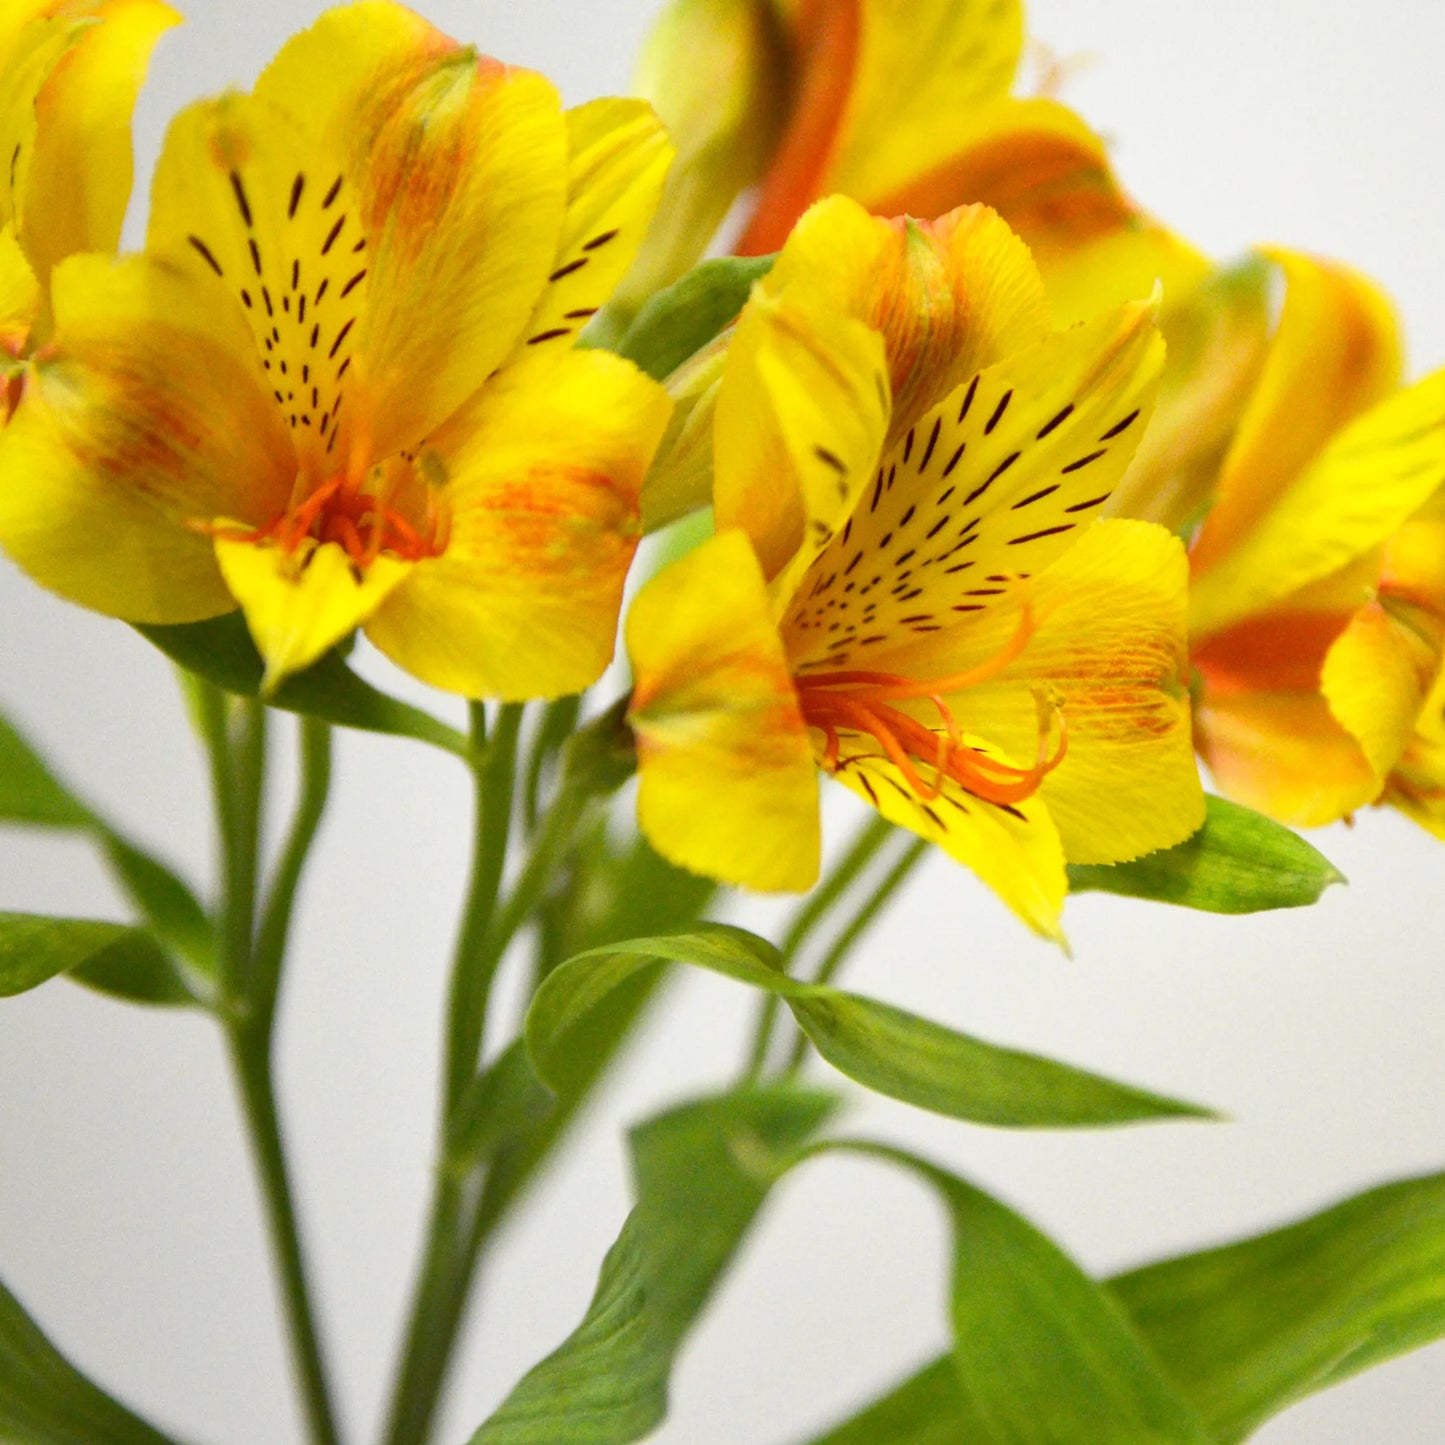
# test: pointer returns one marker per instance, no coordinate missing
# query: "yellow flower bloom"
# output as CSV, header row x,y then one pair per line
x,y
1317,596
903,105
340,388
69,74
908,588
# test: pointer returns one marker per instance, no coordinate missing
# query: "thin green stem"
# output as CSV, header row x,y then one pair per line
x,y
870,837
856,927
235,736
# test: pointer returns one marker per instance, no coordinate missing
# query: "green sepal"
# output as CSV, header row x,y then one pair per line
x,y
1238,862
881,1047
701,1174
221,651
45,1400
682,318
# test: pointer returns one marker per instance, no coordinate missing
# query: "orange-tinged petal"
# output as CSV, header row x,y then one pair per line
x,y
19,295
1284,754
1335,353
801,415
143,417
724,130
984,493
541,474
1365,484
78,182
1107,651
1417,784
726,782
1014,848
1216,338
618,159
300,604
949,297
33,42
1378,674
925,68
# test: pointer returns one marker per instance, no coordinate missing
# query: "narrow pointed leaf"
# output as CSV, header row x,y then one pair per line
x,y
165,900
1247,1329
1238,862
505,1100
928,1408
684,317
701,1174
34,948
29,791
221,651
45,1400
881,1047
136,969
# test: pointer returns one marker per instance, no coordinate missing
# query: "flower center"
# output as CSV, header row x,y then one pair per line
x,y
854,702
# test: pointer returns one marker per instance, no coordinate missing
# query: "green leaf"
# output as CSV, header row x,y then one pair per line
x,y
34,948
929,1408
504,1101
137,969
1247,1329
45,1400
29,791
1238,862
166,901
881,1047
684,317
701,1174
221,651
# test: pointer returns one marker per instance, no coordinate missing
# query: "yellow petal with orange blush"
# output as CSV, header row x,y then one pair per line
x,y
1014,849
726,782
949,297
724,130
539,476
33,42
300,604
19,295
983,494
1285,755
1416,786
924,69
78,182
1335,353
1366,482
618,159
143,419
801,415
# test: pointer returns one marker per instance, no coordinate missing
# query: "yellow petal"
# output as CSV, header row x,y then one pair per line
x,y
724,130
1284,755
143,417
1014,848
78,182
1365,483
618,158
925,67
801,415
1215,337
19,295
300,605
1417,784
1336,352
984,493
455,169
1377,675
726,782
949,297
541,473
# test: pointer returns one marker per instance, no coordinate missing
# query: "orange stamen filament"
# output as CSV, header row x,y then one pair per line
x,y
859,702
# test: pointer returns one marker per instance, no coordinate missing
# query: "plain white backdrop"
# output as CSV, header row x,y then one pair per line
x,y
128,1220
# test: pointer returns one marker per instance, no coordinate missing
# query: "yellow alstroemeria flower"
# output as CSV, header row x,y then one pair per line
x,y
908,589
1317,594
70,71
905,106
340,388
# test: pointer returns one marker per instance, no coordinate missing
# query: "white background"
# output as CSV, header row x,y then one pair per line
x,y
128,1220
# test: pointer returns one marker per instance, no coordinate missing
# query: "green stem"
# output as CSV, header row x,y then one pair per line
x,y
856,927
871,836
235,735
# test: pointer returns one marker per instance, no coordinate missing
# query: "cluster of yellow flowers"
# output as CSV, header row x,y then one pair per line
x,y
986,550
